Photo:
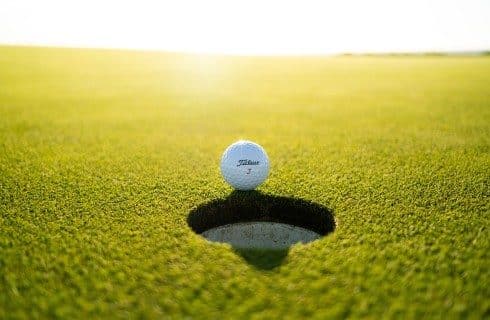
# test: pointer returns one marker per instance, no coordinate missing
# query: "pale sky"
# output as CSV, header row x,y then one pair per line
x,y
249,26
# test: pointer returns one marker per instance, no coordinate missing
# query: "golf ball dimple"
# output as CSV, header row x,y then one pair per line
x,y
244,165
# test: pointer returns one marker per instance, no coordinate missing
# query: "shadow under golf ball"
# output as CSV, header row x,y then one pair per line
x,y
260,227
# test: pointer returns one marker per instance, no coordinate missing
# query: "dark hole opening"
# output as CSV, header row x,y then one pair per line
x,y
253,206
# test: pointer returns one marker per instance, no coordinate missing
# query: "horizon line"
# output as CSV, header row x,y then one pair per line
x,y
470,52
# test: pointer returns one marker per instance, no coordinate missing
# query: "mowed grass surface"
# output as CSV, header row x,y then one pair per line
x,y
104,153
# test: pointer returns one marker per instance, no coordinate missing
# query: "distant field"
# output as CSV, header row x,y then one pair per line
x,y
103,154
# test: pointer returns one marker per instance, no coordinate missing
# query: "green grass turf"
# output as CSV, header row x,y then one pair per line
x,y
103,154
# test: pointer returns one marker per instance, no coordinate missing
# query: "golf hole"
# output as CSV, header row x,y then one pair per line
x,y
252,220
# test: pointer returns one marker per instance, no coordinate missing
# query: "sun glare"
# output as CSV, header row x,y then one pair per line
x,y
250,27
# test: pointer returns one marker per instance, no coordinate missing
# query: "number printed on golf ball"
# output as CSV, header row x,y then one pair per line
x,y
245,165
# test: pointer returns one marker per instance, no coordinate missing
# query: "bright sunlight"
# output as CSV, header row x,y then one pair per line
x,y
250,27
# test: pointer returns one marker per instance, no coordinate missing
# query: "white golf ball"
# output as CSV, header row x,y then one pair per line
x,y
245,165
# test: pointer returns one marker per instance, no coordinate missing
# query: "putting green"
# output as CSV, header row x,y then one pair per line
x,y
103,154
